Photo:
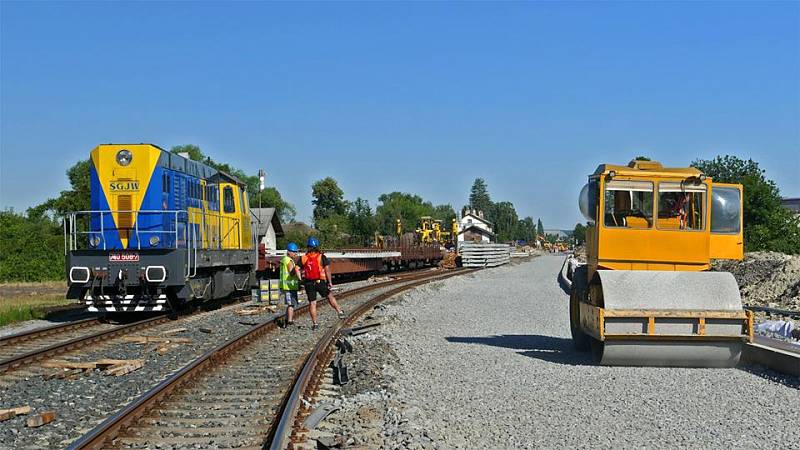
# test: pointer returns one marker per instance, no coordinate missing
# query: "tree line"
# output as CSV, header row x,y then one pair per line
x,y
32,244
506,224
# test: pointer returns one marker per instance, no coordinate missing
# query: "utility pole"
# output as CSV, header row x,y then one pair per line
x,y
261,175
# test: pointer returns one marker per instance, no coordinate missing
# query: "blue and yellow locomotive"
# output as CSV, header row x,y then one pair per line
x,y
162,230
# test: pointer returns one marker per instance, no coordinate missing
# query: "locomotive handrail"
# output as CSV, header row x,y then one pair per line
x,y
210,237
72,238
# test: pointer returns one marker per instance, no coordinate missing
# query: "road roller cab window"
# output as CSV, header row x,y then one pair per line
x,y
681,206
725,210
628,204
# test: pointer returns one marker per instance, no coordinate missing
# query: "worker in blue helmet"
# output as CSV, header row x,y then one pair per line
x,y
290,281
317,280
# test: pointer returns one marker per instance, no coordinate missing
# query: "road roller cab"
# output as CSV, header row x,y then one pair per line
x,y
645,296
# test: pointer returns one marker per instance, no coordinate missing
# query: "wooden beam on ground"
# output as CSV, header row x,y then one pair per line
x,y
41,419
6,414
153,339
175,331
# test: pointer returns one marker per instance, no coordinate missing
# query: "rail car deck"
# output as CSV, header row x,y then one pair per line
x,y
356,261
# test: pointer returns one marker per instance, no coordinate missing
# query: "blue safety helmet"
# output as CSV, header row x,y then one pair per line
x,y
313,242
292,247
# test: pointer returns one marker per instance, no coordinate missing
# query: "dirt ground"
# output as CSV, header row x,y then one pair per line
x,y
11,290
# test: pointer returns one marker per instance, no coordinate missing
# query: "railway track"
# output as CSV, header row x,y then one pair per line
x,y
247,386
22,349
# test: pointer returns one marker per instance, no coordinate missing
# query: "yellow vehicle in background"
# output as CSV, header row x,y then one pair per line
x,y
646,295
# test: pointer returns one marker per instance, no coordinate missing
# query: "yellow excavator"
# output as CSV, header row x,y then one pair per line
x,y
646,296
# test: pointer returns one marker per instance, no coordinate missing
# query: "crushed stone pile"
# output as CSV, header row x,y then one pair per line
x,y
768,279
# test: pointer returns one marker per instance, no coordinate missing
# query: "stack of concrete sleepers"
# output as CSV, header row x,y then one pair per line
x,y
478,254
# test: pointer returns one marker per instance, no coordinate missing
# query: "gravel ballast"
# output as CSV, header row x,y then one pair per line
x,y
486,361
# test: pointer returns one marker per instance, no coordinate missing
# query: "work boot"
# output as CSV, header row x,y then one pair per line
x,y
342,315
314,327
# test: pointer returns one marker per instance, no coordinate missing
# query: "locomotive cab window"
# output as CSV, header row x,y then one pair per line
x,y
230,205
681,206
628,204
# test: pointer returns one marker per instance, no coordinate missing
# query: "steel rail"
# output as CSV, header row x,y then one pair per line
x,y
285,431
111,428
78,342
72,344
47,331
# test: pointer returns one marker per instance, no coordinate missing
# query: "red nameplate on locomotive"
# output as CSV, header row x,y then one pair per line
x,y
123,257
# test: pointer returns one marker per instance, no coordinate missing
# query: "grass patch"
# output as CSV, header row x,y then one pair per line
x,y
27,307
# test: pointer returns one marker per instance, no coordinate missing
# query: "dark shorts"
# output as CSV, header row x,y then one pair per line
x,y
290,298
316,287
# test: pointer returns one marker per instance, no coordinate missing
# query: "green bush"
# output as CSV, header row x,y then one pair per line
x,y
31,248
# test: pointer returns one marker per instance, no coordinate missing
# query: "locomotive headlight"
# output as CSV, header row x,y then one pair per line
x,y
94,241
124,157
154,241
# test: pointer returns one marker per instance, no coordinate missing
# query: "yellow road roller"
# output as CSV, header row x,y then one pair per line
x,y
646,296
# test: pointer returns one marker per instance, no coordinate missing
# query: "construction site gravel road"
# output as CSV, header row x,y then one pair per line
x,y
486,361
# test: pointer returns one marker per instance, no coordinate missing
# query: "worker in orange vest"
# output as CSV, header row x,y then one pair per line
x,y
317,279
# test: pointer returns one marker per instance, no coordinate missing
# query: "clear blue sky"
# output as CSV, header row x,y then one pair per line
x,y
416,97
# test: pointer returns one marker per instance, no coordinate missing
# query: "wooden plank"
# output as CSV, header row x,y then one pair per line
x,y
41,419
126,368
7,414
19,410
174,331
149,339
62,364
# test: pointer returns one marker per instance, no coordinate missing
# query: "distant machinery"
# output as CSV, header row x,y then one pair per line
x,y
432,230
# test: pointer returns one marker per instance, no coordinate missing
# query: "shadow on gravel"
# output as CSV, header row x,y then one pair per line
x,y
547,348
771,375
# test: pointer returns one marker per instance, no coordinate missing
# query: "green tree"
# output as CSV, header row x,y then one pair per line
x,y
328,199
767,224
539,228
362,222
270,197
579,233
334,231
400,205
526,229
445,213
77,198
479,196
504,218
194,152
31,248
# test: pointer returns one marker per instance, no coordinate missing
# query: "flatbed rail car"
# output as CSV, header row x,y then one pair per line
x,y
362,261
162,230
